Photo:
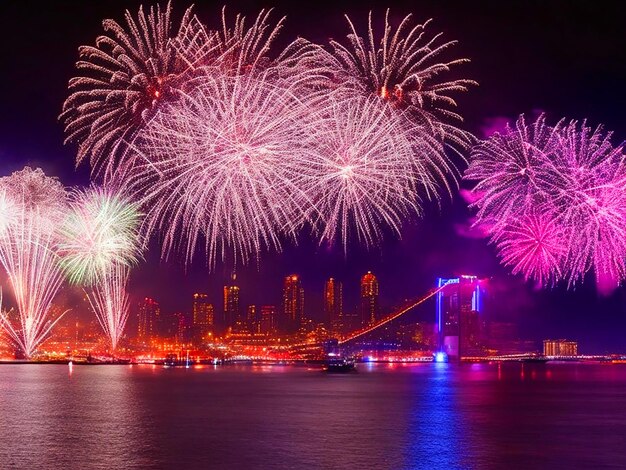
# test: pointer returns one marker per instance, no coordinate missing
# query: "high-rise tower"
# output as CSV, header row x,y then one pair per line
x,y
369,298
148,318
202,309
232,314
333,304
203,315
293,303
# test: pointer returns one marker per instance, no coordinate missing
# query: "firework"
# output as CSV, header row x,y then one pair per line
x,y
100,230
224,142
515,170
568,171
362,175
223,163
535,246
593,203
126,75
8,211
100,242
109,299
28,253
403,68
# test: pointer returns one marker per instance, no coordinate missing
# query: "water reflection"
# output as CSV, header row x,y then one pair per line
x,y
401,417
438,428
56,419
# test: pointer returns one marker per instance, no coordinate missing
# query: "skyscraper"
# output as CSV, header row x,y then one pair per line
x,y
369,298
184,326
293,303
333,304
232,314
203,316
202,310
148,318
459,309
251,319
268,320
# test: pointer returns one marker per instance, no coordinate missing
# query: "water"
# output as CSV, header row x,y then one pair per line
x,y
383,417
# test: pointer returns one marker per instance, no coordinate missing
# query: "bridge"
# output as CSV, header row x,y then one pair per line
x,y
397,313
392,316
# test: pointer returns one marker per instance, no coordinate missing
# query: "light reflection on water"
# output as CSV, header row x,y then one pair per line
x,y
399,416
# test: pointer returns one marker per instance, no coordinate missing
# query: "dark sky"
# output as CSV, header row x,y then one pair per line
x,y
563,57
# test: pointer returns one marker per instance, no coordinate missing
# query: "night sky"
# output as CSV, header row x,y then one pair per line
x,y
565,58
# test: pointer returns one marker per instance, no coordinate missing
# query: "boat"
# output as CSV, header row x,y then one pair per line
x,y
536,359
172,360
339,364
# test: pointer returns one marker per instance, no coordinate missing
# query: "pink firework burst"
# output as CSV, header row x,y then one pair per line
x,y
515,170
362,176
535,246
569,171
403,67
223,163
593,204
122,79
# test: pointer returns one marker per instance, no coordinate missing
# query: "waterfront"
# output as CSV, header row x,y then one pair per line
x,y
385,416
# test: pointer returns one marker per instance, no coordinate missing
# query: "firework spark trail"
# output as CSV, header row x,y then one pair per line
x,y
244,48
28,253
223,163
8,211
569,171
109,300
100,242
361,175
130,70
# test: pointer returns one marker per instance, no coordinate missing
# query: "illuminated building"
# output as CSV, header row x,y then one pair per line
x,y
369,298
293,303
333,304
203,316
183,327
202,310
232,314
252,320
148,318
459,316
560,348
268,320
251,316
